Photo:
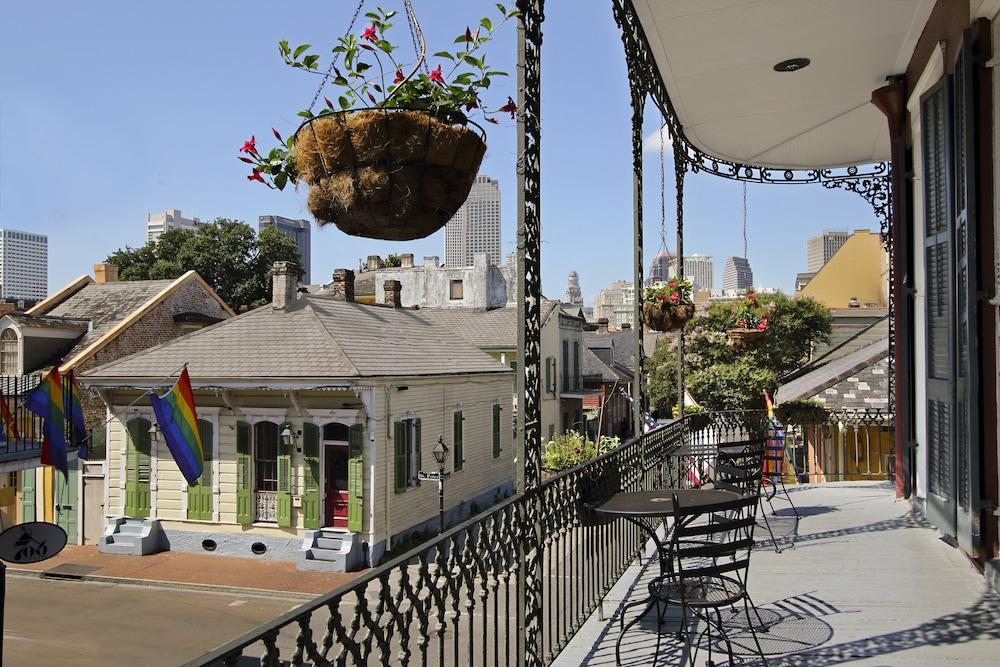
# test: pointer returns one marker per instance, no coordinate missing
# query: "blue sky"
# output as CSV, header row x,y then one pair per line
x,y
113,109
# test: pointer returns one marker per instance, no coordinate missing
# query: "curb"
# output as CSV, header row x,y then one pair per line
x,y
175,585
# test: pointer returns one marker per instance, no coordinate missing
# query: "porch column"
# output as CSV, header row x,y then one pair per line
x,y
680,169
529,248
891,101
638,108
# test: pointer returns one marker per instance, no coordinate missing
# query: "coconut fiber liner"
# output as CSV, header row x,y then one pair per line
x,y
394,175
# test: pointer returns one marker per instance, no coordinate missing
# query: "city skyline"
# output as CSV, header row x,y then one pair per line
x,y
146,170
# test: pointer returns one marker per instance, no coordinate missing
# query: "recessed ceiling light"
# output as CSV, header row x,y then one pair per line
x,y
792,65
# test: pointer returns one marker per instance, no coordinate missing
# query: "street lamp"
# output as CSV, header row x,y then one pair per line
x,y
440,453
286,436
154,431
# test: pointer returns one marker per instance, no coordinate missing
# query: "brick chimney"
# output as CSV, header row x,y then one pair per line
x,y
343,285
602,325
105,273
374,262
406,260
393,293
284,284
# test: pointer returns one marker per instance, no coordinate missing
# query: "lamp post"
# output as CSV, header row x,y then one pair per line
x,y
440,453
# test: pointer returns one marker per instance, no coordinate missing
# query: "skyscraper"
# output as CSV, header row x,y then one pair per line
x,y
819,249
659,270
736,274
24,265
698,269
157,223
475,227
574,295
296,230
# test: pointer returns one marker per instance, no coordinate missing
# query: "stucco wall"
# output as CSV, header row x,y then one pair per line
x,y
483,285
854,271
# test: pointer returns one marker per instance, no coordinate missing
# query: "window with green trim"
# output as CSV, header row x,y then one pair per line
x,y
406,449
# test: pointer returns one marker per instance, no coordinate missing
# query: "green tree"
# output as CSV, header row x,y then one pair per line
x,y
227,254
721,377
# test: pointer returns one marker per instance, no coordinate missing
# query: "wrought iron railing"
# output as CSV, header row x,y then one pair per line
x,y
456,599
28,438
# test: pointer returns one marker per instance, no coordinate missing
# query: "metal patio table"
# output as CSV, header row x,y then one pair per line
x,y
644,509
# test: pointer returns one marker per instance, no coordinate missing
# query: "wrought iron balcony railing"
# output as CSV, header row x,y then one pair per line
x,y
27,441
457,598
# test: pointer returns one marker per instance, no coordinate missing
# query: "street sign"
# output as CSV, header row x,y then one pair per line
x,y
431,476
31,542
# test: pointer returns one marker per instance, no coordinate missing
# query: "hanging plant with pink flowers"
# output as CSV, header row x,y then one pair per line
x,y
750,321
668,307
393,152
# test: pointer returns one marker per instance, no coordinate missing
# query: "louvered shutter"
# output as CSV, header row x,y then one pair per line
x,y
458,446
356,478
401,447
244,439
284,495
496,430
310,475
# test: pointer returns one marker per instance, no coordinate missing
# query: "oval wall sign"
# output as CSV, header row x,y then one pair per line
x,y
31,542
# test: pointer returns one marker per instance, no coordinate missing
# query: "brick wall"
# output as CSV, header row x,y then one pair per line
x,y
868,388
155,327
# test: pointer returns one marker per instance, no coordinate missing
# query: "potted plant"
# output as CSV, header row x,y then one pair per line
x,y
669,306
697,417
394,154
750,321
801,412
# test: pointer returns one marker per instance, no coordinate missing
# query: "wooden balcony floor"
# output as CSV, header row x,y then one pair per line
x,y
867,582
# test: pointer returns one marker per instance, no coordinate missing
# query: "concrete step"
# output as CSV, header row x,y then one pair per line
x,y
131,529
118,549
329,542
325,555
121,539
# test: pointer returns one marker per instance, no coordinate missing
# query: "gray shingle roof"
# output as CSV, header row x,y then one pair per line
x,y
495,328
45,322
830,374
105,305
593,367
318,338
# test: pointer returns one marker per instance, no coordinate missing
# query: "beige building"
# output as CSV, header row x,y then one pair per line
x,y
855,276
318,415
616,304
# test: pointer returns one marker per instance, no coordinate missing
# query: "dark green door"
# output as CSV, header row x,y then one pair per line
x,y
67,500
137,469
310,474
200,496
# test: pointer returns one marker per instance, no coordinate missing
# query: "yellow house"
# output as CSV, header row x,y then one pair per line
x,y
317,416
856,275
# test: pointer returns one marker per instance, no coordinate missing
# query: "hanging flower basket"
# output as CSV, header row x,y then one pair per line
x,y
741,338
801,412
666,316
387,174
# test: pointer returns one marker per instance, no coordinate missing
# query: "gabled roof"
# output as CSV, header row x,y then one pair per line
x,y
594,367
70,325
836,371
318,339
618,347
110,307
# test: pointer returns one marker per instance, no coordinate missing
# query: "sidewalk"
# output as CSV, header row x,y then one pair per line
x,y
198,569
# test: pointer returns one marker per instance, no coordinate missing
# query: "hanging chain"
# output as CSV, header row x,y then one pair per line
x,y
744,220
416,34
663,187
336,57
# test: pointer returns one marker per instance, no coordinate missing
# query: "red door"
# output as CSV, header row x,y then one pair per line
x,y
335,489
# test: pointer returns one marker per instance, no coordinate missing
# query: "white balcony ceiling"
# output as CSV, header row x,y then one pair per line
x,y
717,60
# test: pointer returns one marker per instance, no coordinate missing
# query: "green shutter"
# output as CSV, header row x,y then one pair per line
x,y
66,500
199,495
416,447
356,478
401,449
28,495
496,430
138,468
548,374
310,477
244,436
284,481
456,439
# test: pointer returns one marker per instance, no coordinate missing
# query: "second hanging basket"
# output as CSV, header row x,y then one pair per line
x,y
387,174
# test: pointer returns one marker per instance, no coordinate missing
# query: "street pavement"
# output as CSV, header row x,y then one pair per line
x,y
52,622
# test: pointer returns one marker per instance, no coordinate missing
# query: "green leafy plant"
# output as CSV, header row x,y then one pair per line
x,y
801,411
676,292
371,75
751,314
571,449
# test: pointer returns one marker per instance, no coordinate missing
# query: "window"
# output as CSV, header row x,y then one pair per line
x,y
457,440
266,456
8,353
550,374
455,290
496,430
406,441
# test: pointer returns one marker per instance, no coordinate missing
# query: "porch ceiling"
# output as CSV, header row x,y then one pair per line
x,y
716,58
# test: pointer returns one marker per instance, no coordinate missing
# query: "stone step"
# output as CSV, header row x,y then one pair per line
x,y
329,542
325,555
118,549
131,529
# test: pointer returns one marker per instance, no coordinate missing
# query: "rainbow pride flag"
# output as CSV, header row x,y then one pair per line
x,y
74,412
775,445
46,401
178,420
8,427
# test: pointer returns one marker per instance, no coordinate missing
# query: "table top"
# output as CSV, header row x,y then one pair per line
x,y
661,502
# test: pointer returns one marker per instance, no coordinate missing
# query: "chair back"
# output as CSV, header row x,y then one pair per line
x,y
740,472
717,547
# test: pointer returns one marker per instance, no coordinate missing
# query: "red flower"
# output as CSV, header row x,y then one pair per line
x,y
277,136
663,297
510,107
493,120
435,75
371,97
328,102
673,285
246,159
762,325
399,76
255,176
468,35
369,33
752,296
250,146
469,106
675,297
